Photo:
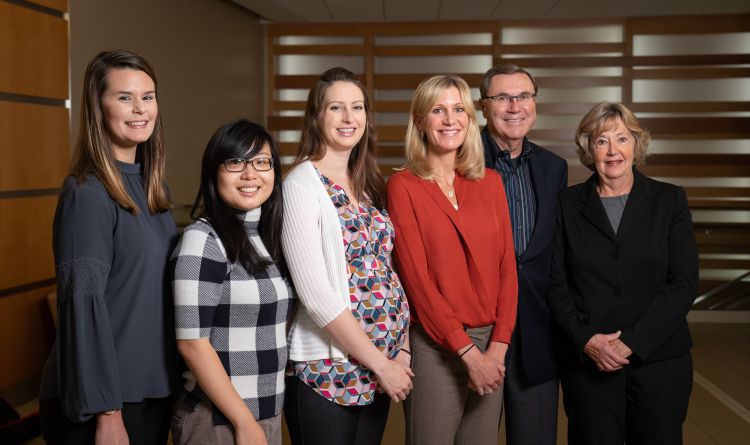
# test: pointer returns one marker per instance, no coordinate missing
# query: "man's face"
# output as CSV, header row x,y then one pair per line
x,y
510,121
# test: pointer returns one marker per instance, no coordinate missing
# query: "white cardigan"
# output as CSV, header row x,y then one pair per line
x,y
314,252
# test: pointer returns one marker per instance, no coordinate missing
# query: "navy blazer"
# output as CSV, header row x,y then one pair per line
x,y
549,175
641,280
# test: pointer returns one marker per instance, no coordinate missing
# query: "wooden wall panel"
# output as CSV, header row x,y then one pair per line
x,y
33,159
26,335
34,48
26,240
58,5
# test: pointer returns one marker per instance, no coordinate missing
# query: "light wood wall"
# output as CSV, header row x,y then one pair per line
x,y
701,137
34,154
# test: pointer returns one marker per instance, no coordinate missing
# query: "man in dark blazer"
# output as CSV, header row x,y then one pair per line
x,y
532,177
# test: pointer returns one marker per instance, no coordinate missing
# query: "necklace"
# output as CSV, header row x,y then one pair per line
x,y
446,187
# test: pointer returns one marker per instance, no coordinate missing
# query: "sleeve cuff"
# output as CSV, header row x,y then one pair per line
x,y
457,339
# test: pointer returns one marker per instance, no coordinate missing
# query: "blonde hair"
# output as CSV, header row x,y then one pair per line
x,y
602,118
470,157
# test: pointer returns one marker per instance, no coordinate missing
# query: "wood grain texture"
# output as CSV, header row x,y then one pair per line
x,y
26,335
34,146
35,44
58,5
26,240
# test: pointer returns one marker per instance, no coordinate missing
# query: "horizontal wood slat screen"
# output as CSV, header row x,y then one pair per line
x,y
690,89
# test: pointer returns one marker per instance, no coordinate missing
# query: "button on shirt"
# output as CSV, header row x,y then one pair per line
x,y
519,190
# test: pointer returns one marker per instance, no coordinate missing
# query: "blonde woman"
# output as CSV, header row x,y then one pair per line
x,y
454,253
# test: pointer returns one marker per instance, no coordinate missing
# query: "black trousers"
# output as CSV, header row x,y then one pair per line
x,y
314,420
640,404
146,422
530,410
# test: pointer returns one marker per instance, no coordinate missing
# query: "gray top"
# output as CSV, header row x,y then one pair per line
x,y
115,342
614,206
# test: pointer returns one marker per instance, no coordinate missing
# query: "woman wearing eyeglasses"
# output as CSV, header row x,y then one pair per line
x,y
348,341
231,299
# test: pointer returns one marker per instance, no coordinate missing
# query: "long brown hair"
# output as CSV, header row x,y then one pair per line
x,y
367,180
94,153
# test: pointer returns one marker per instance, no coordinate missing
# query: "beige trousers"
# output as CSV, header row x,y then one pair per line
x,y
441,409
195,427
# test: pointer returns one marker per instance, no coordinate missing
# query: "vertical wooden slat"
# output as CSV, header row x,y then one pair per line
x,y
627,71
370,66
270,74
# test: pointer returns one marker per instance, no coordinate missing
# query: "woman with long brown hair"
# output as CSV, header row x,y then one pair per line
x,y
110,373
348,340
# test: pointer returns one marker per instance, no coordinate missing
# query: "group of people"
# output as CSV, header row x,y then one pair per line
x,y
473,282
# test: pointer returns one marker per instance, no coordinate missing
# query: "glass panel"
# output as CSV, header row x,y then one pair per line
x,y
590,34
310,64
448,39
678,90
320,40
672,45
433,64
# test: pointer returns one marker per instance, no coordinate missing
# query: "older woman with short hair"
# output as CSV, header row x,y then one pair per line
x,y
624,276
454,252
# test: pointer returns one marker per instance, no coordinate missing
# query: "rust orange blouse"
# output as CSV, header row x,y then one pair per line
x,y
458,266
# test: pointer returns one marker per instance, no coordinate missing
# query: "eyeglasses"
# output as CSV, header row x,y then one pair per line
x,y
239,164
506,99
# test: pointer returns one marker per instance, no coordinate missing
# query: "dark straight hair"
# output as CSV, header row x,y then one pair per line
x,y
241,139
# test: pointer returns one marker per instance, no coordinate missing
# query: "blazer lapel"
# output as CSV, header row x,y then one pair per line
x,y
541,195
593,210
636,206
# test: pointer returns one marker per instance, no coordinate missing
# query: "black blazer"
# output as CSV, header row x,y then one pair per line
x,y
642,280
549,175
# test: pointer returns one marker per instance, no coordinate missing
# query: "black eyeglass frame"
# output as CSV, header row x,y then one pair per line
x,y
509,98
245,162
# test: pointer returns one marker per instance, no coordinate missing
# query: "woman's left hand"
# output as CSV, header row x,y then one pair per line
x,y
497,350
607,357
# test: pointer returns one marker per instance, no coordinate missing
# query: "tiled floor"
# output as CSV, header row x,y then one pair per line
x,y
719,412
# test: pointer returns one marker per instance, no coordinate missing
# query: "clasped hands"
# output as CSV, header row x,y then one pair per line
x,y
486,370
608,352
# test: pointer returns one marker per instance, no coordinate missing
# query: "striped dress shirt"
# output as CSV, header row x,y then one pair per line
x,y
519,189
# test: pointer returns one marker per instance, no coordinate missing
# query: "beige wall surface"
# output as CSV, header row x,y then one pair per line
x,y
208,57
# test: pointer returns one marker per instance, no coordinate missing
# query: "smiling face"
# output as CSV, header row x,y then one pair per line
x,y
248,189
445,124
344,117
130,109
511,122
613,151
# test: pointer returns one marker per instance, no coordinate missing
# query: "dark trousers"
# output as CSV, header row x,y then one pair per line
x,y
530,410
146,422
314,420
640,404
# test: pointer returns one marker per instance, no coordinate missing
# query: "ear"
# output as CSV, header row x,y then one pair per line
x,y
418,122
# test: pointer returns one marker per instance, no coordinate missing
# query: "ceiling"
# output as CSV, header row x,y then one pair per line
x,y
341,11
